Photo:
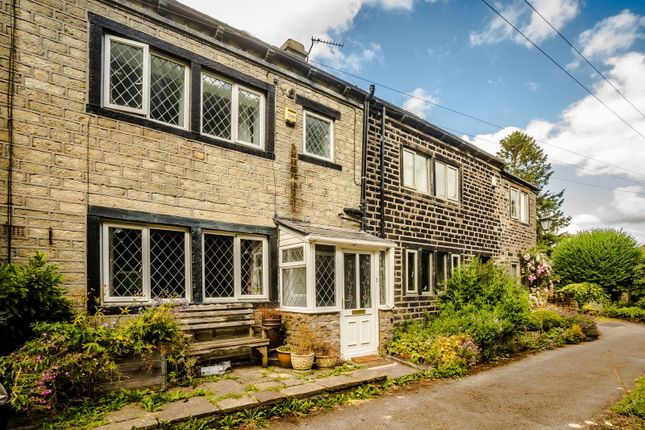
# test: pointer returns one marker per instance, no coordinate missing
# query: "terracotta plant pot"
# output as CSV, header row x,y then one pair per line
x,y
326,361
302,363
284,358
271,327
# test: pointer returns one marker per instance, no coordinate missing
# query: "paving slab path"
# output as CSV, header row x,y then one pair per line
x,y
557,389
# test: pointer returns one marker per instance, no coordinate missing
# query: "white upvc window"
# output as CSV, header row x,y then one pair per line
x,y
416,171
519,205
141,81
524,208
515,203
140,263
455,262
231,112
318,136
293,277
236,267
446,181
411,272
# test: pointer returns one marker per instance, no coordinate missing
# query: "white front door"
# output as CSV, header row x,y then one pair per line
x,y
359,317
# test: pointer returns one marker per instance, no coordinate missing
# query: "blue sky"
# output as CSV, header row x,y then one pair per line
x,y
459,54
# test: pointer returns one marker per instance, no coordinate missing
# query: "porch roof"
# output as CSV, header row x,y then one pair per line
x,y
319,232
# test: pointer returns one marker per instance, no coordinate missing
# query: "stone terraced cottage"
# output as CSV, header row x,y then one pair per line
x,y
155,153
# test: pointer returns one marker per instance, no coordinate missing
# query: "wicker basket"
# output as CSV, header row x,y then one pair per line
x,y
302,363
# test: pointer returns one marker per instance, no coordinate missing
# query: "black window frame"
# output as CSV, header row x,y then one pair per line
x,y
101,26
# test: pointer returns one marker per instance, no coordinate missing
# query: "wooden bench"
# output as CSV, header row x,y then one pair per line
x,y
223,330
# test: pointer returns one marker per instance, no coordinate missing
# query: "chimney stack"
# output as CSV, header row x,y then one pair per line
x,y
295,48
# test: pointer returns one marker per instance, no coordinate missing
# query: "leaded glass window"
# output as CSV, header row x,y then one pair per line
x,y
167,90
167,264
231,112
126,73
143,82
318,136
234,266
125,262
219,264
248,117
325,267
216,107
142,263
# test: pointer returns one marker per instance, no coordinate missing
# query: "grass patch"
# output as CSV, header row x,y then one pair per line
x,y
92,412
633,404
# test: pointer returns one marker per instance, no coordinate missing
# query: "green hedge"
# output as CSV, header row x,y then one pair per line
x,y
604,257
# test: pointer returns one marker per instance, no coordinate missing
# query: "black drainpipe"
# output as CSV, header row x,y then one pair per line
x,y
10,93
366,114
382,170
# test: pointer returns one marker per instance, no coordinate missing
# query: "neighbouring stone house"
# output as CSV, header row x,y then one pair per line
x,y
155,153
442,201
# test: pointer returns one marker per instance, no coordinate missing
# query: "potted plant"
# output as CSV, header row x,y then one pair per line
x,y
271,323
327,355
302,357
284,355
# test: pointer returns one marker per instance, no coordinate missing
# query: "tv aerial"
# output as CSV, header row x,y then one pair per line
x,y
315,40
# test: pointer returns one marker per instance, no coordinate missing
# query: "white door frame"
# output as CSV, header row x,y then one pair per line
x,y
358,313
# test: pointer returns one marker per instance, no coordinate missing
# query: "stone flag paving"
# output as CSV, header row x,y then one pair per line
x,y
250,387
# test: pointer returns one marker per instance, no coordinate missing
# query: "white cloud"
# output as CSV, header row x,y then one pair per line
x,y
625,211
417,105
557,12
533,86
276,21
627,206
587,127
612,35
353,61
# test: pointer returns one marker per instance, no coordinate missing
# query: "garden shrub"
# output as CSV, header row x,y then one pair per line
x,y
545,319
629,313
453,355
450,355
481,302
587,324
67,362
604,257
30,292
584,293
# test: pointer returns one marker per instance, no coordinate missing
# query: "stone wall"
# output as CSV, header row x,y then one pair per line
x,y
66,159
324,326
479,224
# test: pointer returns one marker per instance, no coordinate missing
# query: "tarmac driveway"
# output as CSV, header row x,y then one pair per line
x,y
549,390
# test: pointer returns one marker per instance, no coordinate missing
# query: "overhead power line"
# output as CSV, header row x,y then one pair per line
x,y
577,166
585,58
563,69
497,126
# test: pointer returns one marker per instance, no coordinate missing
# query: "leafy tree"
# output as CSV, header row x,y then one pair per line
x,y
525,159
604,257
